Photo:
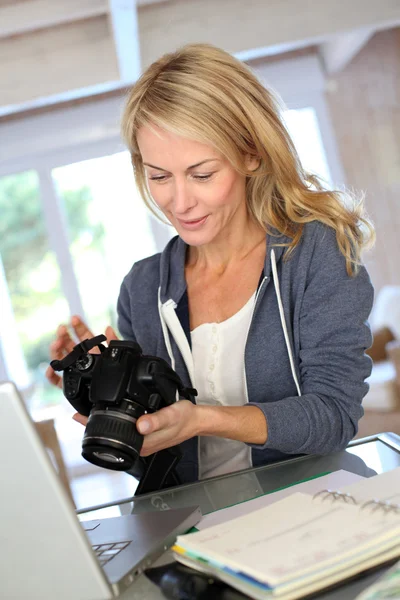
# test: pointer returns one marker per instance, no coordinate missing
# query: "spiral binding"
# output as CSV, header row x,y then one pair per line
x,y
335,495
384,505
374,505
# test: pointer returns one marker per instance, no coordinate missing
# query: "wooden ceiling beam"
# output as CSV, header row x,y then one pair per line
x,y
23,17
19,17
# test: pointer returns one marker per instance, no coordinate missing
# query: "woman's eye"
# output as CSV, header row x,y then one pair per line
x,y
158,178
202,177
163,178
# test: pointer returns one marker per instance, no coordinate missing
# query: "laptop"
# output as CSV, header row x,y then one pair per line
x,y
46,552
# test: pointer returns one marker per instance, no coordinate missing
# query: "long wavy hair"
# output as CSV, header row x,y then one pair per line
x,y
203,93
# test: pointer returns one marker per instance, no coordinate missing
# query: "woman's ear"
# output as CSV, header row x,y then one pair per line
x,y
252,162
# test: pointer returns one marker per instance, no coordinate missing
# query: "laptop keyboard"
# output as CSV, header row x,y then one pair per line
x,y
106,552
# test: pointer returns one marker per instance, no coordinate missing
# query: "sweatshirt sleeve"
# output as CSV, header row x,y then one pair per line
x,y
332,363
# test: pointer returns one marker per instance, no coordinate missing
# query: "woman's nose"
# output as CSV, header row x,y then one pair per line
x,y
183,199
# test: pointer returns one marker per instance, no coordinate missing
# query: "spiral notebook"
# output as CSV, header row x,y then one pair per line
x,y
302,544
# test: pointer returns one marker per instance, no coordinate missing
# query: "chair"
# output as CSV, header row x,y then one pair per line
x,y
48,435
382,402
384,393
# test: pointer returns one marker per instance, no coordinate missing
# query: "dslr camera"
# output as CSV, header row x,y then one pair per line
x,y
113,389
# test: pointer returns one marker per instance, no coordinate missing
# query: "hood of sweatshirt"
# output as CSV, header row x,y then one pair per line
x,y
172,265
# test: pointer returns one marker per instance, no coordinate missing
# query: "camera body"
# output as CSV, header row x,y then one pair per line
x,y
113,389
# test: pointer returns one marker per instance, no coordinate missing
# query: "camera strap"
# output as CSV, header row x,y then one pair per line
x,y
160,471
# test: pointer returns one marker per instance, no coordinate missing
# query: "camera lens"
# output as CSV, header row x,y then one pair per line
x,y
108,457
111,440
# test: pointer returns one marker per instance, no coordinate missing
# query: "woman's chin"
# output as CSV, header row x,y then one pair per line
x,y
195,238
195,234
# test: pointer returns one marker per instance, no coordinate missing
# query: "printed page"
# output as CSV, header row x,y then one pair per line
x,y
295,537
335,481
385,486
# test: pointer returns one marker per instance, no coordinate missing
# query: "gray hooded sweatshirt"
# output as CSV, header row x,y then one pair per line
x,y
305,363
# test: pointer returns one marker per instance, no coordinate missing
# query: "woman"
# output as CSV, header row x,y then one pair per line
x,y
260,302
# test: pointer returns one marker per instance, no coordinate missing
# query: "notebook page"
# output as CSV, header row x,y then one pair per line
x,y
385,486
293,538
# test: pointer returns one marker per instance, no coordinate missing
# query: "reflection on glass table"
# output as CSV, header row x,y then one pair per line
x,y
379,456
365,457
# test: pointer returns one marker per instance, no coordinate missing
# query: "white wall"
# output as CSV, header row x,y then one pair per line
x,y
64,129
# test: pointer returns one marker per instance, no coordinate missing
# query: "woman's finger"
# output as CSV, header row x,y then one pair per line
x,y
57,351
110,334
53,378
81,329
64,337
80,419
62,345
162,419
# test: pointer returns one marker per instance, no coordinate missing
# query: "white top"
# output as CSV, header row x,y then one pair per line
x,y
218,357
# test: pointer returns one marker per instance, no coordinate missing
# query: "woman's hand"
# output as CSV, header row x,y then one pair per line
x,y
168,426
64,344
183,420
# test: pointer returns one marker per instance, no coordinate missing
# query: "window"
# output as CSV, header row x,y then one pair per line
x,y
108,227
304,130
32,277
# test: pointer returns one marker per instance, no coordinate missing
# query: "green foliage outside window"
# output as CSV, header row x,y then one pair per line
x,y
31,270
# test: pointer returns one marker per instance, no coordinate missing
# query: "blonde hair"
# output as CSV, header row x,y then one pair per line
x,y
203,93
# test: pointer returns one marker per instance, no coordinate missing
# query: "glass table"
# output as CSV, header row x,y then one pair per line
x,y
367,457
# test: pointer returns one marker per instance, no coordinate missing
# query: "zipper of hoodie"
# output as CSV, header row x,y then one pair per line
x,y
283,323
256,299
261,286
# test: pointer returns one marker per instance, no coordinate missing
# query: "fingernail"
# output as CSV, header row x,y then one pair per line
x,y
144,426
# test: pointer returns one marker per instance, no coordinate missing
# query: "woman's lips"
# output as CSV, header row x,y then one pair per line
x,y
193,223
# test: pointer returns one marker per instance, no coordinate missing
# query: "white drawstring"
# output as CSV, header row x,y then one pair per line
x,y
283,321
165,331
170,321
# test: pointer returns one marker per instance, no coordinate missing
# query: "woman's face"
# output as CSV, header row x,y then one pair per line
x,y
195,187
